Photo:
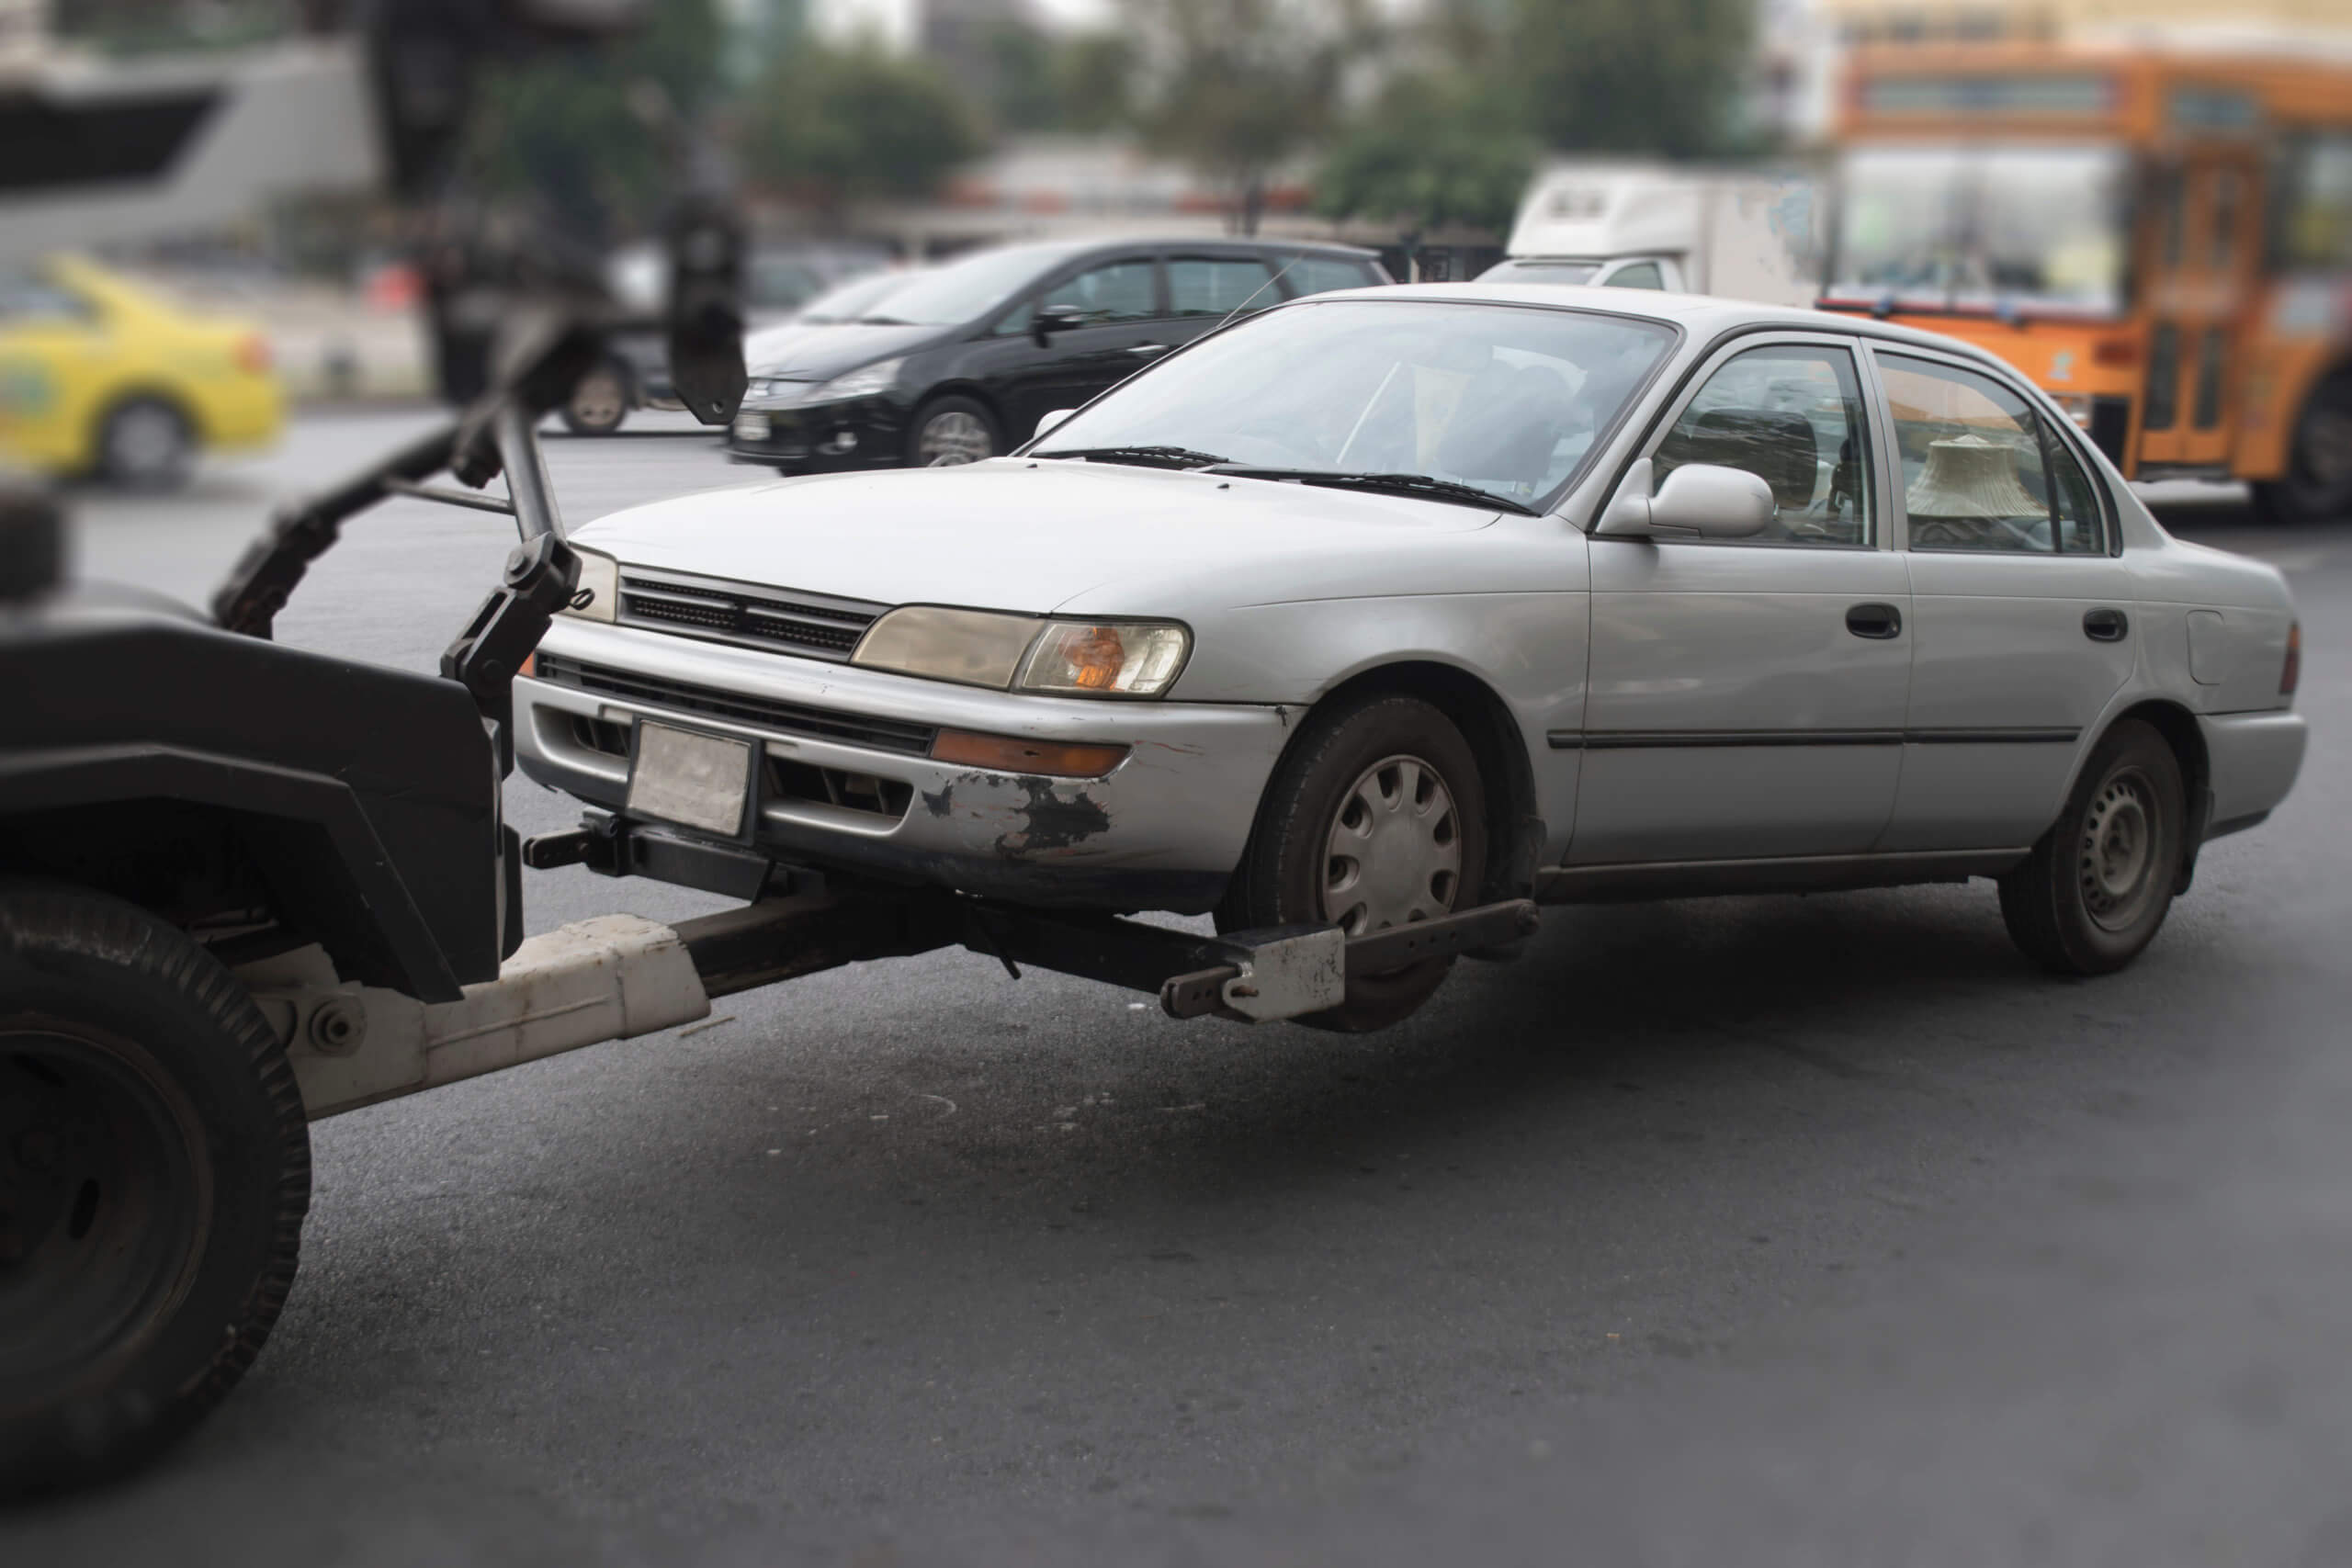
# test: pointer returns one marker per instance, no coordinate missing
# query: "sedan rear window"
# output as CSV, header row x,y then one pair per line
x,y
1506,399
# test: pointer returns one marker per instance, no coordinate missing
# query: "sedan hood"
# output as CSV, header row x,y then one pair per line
x,y
819,354
1010,535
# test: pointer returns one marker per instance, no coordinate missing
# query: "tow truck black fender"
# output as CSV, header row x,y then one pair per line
x,y
201,774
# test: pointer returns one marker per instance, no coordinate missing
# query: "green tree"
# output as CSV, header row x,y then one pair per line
x,y
833,125
568,131
1243,86
1429,156
1663,76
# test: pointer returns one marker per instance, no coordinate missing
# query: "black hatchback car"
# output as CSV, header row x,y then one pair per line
x,y
961,362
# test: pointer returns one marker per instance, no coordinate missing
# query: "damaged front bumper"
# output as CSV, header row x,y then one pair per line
x,y
844,778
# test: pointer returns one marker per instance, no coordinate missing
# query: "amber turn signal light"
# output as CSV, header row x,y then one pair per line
x,y
530,669
1006,754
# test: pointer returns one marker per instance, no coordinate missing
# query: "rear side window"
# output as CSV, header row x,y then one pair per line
x,y
1203,285
1981,470
1320,275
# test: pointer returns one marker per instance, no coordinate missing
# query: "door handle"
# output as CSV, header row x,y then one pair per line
x,y
2103,625
1148,348
1877,621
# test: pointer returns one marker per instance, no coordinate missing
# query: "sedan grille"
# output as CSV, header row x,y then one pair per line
x,y
739,707
813,626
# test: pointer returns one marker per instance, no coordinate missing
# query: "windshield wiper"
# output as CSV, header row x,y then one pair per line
x,y
1428,485
1162,456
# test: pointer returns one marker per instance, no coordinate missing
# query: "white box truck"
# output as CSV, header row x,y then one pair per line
x,y
1741,234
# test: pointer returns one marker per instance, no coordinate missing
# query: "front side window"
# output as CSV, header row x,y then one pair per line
x,y
1506,399
1116,291
1792,415
1201,286
1981,471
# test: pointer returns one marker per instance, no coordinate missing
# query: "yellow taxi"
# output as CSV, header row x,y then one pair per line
x,y
101,377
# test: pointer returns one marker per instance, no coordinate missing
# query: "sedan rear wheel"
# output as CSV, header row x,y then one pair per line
x,y
1374,819
2097,888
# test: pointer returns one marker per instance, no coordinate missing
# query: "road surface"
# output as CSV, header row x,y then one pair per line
x,y
1804,1231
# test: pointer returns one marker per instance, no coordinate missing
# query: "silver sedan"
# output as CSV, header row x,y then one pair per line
x,y
1379,606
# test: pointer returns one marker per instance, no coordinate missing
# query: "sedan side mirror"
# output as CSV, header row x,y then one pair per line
x,y
1049,421
1052,319
1698,499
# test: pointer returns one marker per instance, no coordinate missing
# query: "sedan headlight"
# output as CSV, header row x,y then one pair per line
x,y
984,648
599,595
1105,659
860,383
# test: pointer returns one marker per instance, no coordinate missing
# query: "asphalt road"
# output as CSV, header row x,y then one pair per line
x,y
1804,1231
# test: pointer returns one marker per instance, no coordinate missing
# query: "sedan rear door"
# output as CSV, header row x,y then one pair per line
x,y
2022,610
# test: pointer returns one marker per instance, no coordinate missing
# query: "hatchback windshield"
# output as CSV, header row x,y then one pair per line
x,y
847,302
1983,226
963,289
1506,401
1514,271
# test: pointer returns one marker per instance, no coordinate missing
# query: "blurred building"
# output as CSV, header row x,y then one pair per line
x,y
1906,21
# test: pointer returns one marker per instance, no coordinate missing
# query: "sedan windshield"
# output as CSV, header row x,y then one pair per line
x,y
963,290
1505,400
1982,227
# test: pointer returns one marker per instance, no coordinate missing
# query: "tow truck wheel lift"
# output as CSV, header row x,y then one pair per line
x,y
244,886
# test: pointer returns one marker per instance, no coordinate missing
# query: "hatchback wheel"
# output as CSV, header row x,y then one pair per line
x,y
948,431
2097,887
146,443
1374,819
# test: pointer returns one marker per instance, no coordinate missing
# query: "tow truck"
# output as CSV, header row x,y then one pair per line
x,y
245,885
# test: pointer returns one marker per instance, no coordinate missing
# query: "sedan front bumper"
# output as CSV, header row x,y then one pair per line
x,y
846,779
826,437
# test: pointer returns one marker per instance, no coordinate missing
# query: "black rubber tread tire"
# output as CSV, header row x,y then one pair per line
x,y
169,477
2041,900
952,403
72,954
578,426
1276,883
2299,498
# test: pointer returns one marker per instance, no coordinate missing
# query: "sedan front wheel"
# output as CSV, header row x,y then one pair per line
x,y
1374,819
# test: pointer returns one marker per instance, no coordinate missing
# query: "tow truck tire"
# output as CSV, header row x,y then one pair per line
x,y
154,1172
1378,757
2097,887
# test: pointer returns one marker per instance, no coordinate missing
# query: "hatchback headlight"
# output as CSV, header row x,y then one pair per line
x,y
597,596
986,647
860,383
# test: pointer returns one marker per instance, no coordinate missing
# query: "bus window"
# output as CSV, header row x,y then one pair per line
x,y
2312,208
2172,216
2228,201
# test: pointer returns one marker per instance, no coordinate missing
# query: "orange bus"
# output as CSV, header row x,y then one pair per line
x,y
2161,240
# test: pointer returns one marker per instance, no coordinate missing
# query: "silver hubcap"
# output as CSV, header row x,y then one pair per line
x,y
952,438
2118,854
597,399
1394,855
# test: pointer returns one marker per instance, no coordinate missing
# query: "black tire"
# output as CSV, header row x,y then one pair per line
x,y
2317,486
2097,887
157,1164
599,403
952,430
146,443
1286,873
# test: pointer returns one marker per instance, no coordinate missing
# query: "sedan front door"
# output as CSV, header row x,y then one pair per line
x,y
1116,305
1747,697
